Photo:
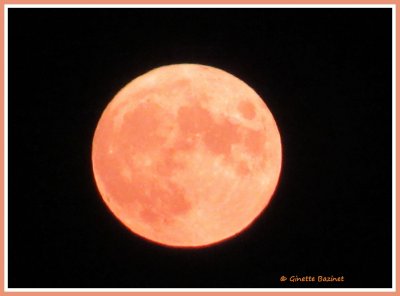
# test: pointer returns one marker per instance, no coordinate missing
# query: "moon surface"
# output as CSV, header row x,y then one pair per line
x,y
186,155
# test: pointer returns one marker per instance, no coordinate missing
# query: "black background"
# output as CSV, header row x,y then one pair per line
x,y
325,75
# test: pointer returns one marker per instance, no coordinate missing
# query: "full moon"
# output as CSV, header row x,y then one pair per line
x,y
186,155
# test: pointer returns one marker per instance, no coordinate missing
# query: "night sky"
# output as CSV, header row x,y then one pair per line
x,y
325,74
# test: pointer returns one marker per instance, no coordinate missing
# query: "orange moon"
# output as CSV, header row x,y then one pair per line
x,y
186,155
